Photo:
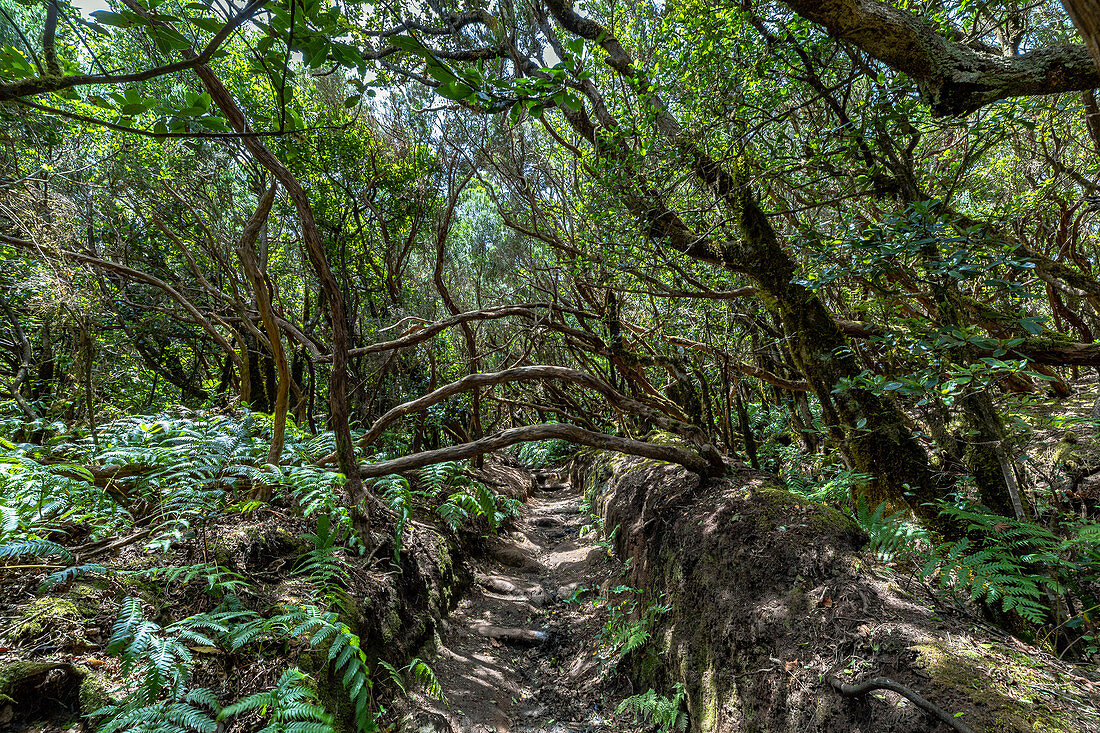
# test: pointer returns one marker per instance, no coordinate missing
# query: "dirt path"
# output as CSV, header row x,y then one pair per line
x,y
520,653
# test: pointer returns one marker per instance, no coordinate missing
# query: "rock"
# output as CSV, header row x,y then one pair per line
x,y
498,585
514,557
509,635
424,721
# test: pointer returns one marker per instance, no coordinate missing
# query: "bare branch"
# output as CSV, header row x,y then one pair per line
x,y
689,460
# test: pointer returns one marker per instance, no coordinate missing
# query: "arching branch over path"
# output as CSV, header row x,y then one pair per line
x,y
688,459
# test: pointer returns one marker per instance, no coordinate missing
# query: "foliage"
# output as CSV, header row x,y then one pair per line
x,y
416,671
450,493
325,631
321,562
630,623
290,707
157,661
542,453
1015,565
658,710
735,221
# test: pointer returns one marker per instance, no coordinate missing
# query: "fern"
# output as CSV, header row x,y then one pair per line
x,y
290,707
34,548
629,625
437,476
69,574
157,662
457,509
218,580
654,709
891,535
542,453
399,498
415,671
1019,566
193,711
324,629
321,563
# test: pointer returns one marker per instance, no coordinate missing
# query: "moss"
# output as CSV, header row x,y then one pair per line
x,y
16,674
1003,683
12,674
45,613
93,693
391,625
707,717
83,594
328,689
227,545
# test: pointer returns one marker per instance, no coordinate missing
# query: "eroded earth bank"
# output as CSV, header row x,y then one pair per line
x,y
724,605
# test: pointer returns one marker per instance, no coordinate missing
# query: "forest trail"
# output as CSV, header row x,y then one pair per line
x,y
520,652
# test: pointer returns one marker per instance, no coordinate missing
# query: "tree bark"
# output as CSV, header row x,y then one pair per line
x,y
247,254
1086,16
954,78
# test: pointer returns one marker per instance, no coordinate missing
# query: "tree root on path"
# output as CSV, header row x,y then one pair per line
x,y
882,683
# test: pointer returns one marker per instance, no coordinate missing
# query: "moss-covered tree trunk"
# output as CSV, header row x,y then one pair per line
x,y
867,427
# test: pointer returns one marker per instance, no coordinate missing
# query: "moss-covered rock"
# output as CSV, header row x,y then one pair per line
x,y
40,690
45,614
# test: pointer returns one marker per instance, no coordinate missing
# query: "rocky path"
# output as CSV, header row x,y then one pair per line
x,y
521,652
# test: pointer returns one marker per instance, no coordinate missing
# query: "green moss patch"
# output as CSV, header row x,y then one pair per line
x,y
1009,690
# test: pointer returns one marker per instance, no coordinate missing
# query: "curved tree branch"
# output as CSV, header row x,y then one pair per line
x,y
710,456
132,274
687,459
882,683
954,79
55,82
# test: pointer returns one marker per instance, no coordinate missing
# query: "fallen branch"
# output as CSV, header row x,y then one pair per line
x,y
882,683
95,549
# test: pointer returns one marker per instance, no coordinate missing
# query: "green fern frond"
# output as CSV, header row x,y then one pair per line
x,y
663,712
34,548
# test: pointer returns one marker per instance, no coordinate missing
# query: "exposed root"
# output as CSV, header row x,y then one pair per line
x,y
882,683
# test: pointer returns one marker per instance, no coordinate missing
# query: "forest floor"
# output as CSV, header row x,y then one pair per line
x,y
524,651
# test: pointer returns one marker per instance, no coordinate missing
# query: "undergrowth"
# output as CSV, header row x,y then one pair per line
x,y
445,490
161,483
1048,577
662,712
543,453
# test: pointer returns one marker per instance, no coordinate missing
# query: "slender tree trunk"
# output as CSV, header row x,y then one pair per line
x,y
315,253
441,286
247,254
745,426
330,288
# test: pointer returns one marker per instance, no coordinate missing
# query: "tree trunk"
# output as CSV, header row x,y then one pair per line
x,y
247,254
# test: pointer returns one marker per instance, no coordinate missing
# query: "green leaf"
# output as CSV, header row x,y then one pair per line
x,y
455,90
213,25
118,20
407,43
